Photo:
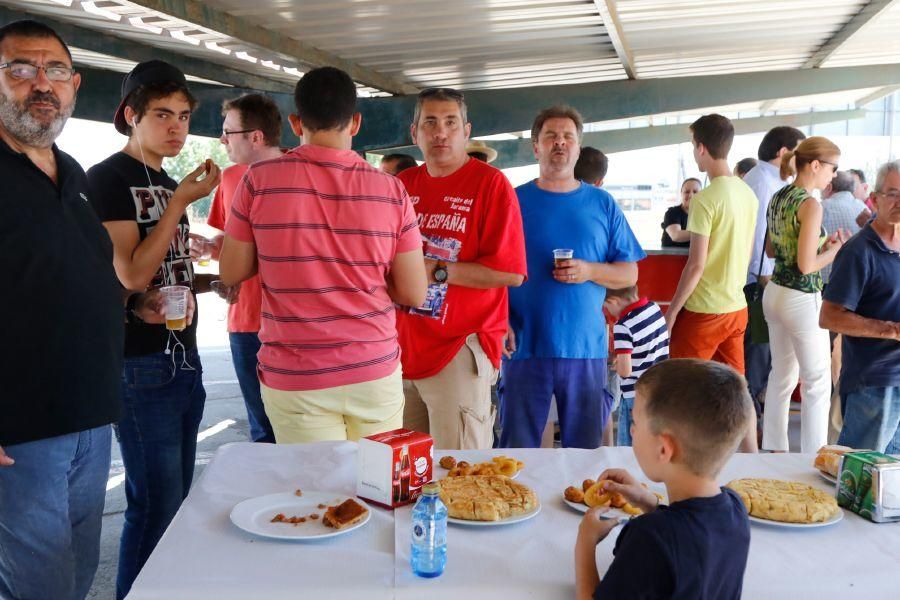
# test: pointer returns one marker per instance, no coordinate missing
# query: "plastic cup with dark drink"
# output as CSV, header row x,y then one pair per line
x,y
175,298
561,254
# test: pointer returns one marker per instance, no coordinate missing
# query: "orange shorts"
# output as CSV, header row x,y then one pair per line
x,y
710,337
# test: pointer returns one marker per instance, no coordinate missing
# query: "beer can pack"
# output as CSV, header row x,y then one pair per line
x,y
869,485
394,466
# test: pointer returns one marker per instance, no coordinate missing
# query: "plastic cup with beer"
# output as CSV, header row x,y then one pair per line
x,y
175,299
204,247
561,254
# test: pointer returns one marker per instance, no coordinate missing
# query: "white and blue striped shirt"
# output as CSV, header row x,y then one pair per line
x,y
641,332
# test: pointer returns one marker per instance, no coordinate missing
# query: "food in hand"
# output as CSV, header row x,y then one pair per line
x,y
345,514
785,501
595,495
573,494
486,498
447,462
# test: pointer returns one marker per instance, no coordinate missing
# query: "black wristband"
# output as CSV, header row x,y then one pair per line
x,y
131,317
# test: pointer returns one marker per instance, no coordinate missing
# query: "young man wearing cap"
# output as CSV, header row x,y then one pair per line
x,y
143,210
474,249
336,244
251,132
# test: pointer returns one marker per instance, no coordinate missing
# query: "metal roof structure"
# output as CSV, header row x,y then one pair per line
x,y
396,47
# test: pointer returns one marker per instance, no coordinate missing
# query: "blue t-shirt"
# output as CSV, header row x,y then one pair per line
x,y
695,549
865,279
561,320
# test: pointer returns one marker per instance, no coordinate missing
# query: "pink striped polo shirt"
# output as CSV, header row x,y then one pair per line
x,y
326,226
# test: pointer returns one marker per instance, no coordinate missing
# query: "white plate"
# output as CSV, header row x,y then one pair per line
x,y
612,513
831,521
507,521
255,515
828,477
485,459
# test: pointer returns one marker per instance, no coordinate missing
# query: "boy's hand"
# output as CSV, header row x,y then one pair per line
x,y
593,529
623,482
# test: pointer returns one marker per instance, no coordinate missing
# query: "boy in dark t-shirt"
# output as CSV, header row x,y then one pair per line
x,y
143,210
689,417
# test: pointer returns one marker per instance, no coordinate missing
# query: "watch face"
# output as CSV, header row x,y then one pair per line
x,y
440,274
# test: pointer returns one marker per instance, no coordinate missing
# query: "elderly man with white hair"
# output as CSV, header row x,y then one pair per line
x,y
862,302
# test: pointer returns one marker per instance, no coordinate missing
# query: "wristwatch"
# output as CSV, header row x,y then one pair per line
x,y
440,273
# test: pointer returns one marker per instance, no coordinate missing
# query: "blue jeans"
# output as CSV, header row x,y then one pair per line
x,y
582,400
244,348
623,435
51,507
158,439
872,419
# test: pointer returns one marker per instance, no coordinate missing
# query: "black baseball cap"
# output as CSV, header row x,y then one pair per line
x,y
151,71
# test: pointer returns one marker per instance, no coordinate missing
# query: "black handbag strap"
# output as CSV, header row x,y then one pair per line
x,y
762,254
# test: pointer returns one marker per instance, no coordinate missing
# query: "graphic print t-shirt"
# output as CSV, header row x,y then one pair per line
x,y
120,191
471,215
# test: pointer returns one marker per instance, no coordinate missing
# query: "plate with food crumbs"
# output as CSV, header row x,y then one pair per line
x,y
311,516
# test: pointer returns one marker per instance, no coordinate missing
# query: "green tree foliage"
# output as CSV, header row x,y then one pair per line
x,y
195,151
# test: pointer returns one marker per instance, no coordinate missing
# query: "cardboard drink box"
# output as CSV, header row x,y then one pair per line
x,y
869,485
393,466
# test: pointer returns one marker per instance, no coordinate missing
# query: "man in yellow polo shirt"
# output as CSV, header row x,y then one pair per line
x,y
708,315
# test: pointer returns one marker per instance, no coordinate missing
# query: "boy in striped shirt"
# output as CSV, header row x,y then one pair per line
x,y
640,341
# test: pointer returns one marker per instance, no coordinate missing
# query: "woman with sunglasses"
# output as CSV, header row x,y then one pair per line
x,y
793,297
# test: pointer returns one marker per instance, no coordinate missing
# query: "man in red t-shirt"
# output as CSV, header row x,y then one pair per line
x,y
251,132
474,249
336,245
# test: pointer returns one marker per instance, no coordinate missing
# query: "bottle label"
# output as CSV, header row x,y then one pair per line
x,y
419,531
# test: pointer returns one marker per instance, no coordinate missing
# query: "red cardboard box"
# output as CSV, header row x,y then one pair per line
x,y
393,466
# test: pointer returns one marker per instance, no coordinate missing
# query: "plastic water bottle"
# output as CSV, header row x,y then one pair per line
x,y
428,555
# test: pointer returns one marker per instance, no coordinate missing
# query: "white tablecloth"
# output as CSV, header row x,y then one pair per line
x,y
202,555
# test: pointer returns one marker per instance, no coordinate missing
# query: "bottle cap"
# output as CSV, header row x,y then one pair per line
x,y
433,488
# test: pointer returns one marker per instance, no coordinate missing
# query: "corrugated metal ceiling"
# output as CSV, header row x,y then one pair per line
x,y
478,44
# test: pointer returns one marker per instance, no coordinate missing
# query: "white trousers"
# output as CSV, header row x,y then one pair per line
x,y
800,349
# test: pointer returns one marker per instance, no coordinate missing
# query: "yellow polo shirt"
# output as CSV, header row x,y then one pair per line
x,y
725,212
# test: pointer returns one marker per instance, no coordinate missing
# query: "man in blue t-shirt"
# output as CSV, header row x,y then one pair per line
x,y
557,343
862,301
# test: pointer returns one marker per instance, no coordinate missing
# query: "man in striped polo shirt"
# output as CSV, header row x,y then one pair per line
x,y
336,244
640,340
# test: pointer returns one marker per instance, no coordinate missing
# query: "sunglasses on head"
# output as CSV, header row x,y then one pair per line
x,y
441,91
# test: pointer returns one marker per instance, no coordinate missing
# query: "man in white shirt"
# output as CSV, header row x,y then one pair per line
x,y
764,179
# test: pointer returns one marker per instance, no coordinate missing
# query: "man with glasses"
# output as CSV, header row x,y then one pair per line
x,y
474,249
862,302
64,330
251,132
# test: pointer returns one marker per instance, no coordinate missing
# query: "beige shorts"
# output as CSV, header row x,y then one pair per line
x,y
454,406
346,412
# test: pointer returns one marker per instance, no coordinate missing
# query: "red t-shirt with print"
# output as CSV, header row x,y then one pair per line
x,y
471,215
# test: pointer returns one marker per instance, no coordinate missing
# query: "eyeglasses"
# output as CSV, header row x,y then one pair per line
x,y
834,166
24,70
892,196
226,133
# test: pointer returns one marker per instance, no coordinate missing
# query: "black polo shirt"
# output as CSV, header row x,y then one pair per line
x,y
60,305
